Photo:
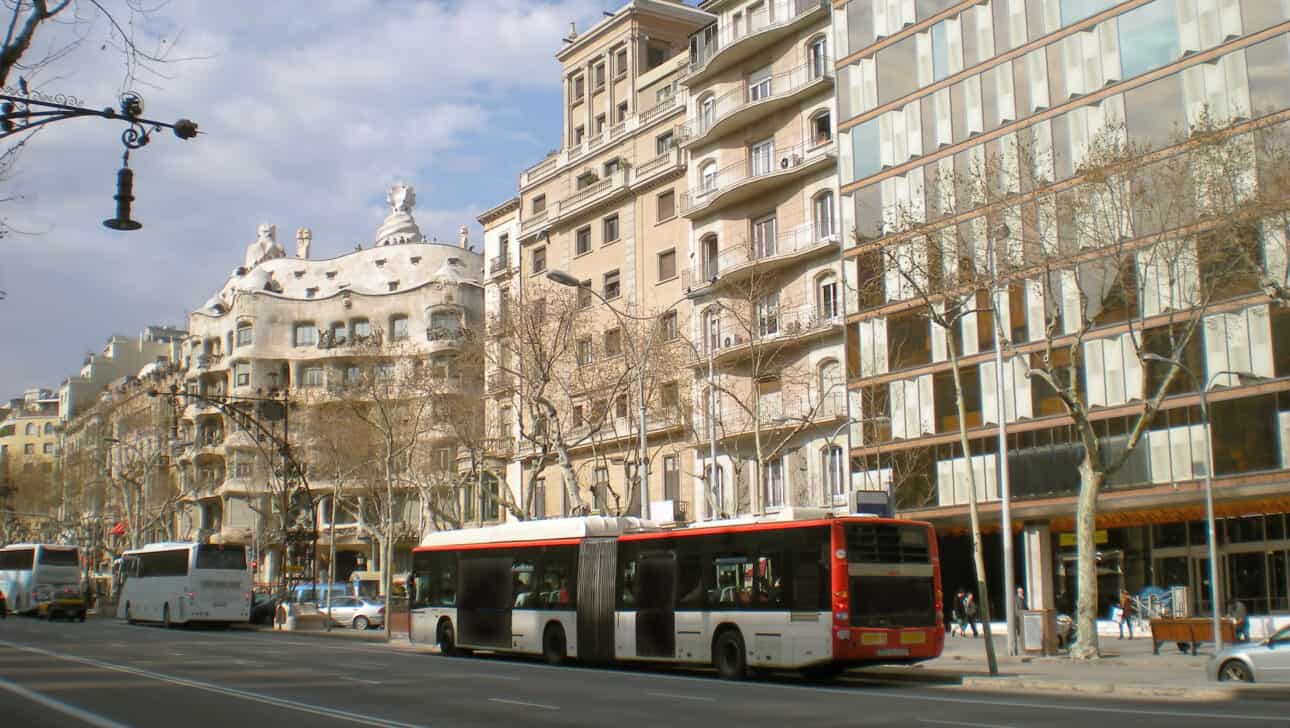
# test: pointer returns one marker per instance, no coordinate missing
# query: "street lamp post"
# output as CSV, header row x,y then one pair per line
x,y
642,469
1010,615
1210,523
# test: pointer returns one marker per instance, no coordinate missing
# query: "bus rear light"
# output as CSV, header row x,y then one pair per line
x,y
190,596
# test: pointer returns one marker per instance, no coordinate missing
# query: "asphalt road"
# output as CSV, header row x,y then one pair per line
x,y
106,674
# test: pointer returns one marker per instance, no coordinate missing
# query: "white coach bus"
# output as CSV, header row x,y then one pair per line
x,y
178,583
25,567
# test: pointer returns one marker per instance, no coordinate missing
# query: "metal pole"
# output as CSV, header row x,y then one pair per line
x,y
712,426
1005,487
1215,604
642,468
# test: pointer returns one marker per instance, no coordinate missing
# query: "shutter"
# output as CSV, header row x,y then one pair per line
x,y
1283,419
797,481
954,45
1094,373
1037,67
896,395
1274,251
1149,287
985,32
1230,18
989,397
939,344
1007,101
1237,84
1108,40
867,349
926,405
1073,65
1158,444
972,100
880,346
1215,94
1260,328
958,468
1113,371
1052,15
967,329
1035,318
886,142
1133,382
1199,456
1091,61
869,68
1207,19
1021,388
914,130
1188,30
1180,455
945,483
923,56
1238,346
907,16
1193,78
1072,311
1187,277
880,21
1016,22
941,109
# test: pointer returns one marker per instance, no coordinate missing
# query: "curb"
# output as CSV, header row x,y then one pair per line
x,y
1181,693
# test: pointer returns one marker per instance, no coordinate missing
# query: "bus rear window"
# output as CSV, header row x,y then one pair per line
x,y
16,559
887,543
892,601
217,556
59,557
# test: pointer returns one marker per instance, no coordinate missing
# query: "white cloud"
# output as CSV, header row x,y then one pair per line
x,y
308,110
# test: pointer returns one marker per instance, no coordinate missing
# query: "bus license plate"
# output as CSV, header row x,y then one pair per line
x,y
893,652
913,638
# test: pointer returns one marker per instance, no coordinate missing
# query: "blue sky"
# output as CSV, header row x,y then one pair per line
x,y
309,111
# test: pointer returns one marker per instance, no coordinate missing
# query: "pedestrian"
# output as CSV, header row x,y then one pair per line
x,y
970,611
4,607
1242,616
960,620
1019,606
1124,616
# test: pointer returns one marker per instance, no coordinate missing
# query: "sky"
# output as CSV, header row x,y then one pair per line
x,y
308,112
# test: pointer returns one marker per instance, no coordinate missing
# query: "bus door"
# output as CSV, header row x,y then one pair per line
x,y
597,565
484,604
656,605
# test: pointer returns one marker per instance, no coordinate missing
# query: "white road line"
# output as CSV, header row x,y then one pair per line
x,y
682,697
959,722
521,702
218,689
71,711
360,680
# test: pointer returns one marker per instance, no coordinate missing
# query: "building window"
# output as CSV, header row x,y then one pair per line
x,y
768,314
669,395
666,206
581,241
612,167
622,113
707,177
243,469
584,294
613,342
242,374
663,143
539,204
821,128
584,351
29,449
384,372
612,286
398,328
305,334
831,470
579,88
579,415
353,376
245,334
667,265
47,448
539,498
773,482
338,331
759,86
822,215
362,328
610,231
620,62
763,236
600,124
539,259
598,74
655,55
600,488
671,479
579,133
49,426
827,304
667,326
762,157
817,55
32,429
620,406
312,377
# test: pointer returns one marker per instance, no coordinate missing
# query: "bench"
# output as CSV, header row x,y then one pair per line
x,y
1188,632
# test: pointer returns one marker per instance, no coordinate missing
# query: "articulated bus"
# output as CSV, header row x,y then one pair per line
x,y
27,567
817,594
177,583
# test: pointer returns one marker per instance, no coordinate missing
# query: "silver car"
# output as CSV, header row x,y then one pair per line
x,y
1264,661
357,612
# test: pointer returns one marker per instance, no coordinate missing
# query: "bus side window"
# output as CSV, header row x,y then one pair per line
x,y
810,581
689,580
627,555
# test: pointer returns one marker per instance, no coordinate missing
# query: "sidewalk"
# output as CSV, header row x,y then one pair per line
x,y
1128,668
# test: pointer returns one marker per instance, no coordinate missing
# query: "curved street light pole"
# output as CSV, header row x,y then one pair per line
x,y
642,468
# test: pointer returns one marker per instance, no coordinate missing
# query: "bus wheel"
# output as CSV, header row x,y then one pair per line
x,y
553,645
447,640
729,656
165,617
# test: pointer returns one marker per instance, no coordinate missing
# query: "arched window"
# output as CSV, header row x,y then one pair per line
x,y
831,471
830,378
708,254
32,429
822,215
707,176
245,334
821,128
49,428
817,56
827,304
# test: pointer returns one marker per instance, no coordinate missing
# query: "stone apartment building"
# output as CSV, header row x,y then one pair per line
x,y
936,86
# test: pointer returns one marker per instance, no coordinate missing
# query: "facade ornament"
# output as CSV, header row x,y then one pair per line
x,y
265,246
304,239
464,237
399,226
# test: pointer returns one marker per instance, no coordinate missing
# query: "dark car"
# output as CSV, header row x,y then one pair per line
x,y
264,605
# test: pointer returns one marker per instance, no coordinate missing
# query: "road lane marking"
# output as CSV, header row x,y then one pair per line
x,y
521,702
359,680
218,689
71,711
683,697
959,722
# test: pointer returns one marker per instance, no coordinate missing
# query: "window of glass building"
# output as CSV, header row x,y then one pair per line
x,y
866,151
1148,37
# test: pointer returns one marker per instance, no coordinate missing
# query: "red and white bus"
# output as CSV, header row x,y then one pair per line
x,y
818,594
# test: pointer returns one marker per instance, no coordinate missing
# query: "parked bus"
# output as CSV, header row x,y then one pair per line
x,y
177,583
818,594
26,567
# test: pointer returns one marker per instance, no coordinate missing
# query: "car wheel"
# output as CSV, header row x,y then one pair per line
x,y
729,655
1235,671
554,648
360,622
447,640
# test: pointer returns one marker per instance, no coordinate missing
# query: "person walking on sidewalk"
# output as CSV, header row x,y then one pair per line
x,y
1125,607
4,607
1238,613
1019,606
959,622
969,611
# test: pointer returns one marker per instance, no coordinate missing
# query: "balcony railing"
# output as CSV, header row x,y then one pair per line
x,y
588,195
738,257
777,87
710,187
771,17
499,264
776,410
771,327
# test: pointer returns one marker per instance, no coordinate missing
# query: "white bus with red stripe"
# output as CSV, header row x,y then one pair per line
x,y
814,593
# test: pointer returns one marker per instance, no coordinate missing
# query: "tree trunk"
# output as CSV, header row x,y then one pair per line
x,y
387,558
1090,484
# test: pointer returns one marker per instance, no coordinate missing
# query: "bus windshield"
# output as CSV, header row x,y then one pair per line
x,y
16,559
218,556
889,570
58,557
